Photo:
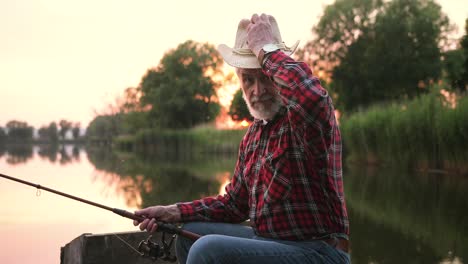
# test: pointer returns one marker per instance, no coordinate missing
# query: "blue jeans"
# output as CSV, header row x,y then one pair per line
x,y
233,243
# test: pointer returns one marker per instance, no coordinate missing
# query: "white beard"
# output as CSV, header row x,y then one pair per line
x,y
260,111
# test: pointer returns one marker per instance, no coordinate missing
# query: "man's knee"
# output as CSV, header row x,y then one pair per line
x,y
184,245
208,249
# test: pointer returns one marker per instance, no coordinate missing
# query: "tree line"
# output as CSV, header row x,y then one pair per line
x,y
179,93
376,51
21,132
365,52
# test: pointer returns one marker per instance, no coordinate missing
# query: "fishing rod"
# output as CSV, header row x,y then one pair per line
x,y
147,248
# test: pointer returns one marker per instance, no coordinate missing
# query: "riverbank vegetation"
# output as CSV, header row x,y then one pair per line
x,y
199,140
426,130
388,92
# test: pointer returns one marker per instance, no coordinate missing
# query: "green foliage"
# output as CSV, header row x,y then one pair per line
x,y
178,93
49,133
238,109
464,46
19,131
64,127
340,25
181,91
407,38
104,128
53,132
453,65
162,180
423,129
379,51
3,135
187,142
76,131
134,121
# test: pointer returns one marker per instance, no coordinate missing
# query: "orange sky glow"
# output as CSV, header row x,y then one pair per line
x,y
69,59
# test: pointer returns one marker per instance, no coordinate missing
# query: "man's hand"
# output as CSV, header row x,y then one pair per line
x,y
259,33
169,213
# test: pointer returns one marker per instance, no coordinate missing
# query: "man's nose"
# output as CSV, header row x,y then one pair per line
x,y
259,88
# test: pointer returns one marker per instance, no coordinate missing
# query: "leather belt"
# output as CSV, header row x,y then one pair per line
x,y
338,243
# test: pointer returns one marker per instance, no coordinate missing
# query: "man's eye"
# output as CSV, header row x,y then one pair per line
x,y
248,80
265,79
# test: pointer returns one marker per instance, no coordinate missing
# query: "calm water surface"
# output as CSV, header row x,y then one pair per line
x,y
396,217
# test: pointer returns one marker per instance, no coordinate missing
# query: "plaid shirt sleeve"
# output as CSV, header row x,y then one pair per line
x,y
299,88
231,207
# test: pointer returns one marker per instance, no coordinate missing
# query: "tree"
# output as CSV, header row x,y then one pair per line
x,y
413,56
134,115
341,24
43,133
238,109
3,135
49,133
131,101
76,131
19,131
64,127
180,91
453,66
53,132
381,51
104,127
464,46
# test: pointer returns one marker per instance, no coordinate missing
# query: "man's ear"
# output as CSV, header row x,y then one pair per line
x,y
238,71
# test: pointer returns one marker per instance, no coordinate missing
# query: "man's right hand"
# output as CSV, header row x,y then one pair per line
x,y
169,213
259,33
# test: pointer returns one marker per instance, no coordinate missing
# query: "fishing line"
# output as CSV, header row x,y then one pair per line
x,y
130,246
146,248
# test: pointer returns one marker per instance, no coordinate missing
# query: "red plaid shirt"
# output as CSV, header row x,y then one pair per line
x,y
288,178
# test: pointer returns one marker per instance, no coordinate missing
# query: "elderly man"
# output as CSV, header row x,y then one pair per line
x,y
288,177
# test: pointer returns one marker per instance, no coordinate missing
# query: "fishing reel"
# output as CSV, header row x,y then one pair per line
x,y
153,250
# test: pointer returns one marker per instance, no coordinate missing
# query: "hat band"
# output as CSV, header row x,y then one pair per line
x,y
248,52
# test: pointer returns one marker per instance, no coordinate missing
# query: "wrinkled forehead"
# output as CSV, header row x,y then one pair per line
x,y
251,72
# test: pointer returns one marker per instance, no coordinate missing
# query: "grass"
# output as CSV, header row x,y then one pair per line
x,y
425,129
195,141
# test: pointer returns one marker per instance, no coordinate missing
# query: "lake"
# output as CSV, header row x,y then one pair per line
x,y
396,216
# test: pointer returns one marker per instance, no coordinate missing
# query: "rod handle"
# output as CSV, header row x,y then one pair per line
x,y
127,214
178,231
161,226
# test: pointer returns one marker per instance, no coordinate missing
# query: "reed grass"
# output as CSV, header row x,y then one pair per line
x,y
425,129
188,142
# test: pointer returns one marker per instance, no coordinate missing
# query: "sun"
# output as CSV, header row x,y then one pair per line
x,y
225,95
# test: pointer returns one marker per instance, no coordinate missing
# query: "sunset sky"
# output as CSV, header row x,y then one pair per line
x,y
67,59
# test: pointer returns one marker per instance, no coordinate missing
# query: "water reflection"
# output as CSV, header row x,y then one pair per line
x,y
165,181
38,225
17,154
398,217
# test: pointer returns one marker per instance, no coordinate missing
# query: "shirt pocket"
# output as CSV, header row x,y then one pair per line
x,y
276,178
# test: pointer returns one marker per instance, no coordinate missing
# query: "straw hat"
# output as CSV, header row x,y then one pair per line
x,y
241,56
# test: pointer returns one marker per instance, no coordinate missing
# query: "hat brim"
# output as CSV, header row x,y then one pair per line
x,y
245,61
